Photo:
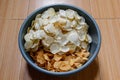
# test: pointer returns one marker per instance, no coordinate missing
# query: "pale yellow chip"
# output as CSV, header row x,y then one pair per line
x,y
37,16
48,13
73,23
78,59
73,37
77,65
37,26
72,48
55,48
28,45
29,36
84,45
89,38
70,13
85,54
72,61
62,13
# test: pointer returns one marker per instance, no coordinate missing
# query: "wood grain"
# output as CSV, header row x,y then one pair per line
x,y
105,8
110,48
10,59
13,9
105,67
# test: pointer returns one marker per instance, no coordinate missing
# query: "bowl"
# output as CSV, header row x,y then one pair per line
x,y
93,31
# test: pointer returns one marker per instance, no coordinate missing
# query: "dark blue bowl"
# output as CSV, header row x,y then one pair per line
x,y
93,31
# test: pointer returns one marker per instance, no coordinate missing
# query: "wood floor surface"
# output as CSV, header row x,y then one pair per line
x,y
105,67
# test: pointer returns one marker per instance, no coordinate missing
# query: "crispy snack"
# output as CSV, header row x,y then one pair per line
x,y
57,57
58,62
46,57
58,41
65,66
39,57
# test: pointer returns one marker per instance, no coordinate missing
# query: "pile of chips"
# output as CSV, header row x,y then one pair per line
x,y
60,63
58,40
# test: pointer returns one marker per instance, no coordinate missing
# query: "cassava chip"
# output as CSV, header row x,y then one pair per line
x,y
57,64
46,57
62,13
72,48
40,58
49,66
57,57
89,38
72,61
48,13
28,45
73,37
84,45
70,13
29,36
55,48
39,34
64,49
50,28
65,66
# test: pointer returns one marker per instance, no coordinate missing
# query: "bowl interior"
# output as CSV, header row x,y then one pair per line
x,y
93,30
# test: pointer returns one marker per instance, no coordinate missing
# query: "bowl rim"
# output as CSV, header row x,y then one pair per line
x,y
58,73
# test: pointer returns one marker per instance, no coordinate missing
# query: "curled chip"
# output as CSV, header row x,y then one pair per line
x,y
65,66
49,66
29,36
70,13
37,26
57,57
64,49
78,59
84,45
50,28
28,45
73,37
77,65
72,48
39,34
68,58
40,58
55,48
72,61
58,41
49,13
46,57
57,64
62,13
89,38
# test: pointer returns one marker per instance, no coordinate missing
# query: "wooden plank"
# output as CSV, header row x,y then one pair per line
x,y
105,67
110,48
10,59
105,8
13,9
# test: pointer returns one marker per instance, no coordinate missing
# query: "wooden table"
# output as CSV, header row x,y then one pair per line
x,y
105,67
